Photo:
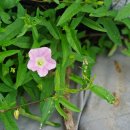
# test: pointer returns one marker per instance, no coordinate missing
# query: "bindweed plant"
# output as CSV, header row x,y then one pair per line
x,y
40,42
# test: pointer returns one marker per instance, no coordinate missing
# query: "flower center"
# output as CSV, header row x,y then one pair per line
x,y
40,62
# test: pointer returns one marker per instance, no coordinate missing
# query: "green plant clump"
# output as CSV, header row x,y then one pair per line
x,y
75,31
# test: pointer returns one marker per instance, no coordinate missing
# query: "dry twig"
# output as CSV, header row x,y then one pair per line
x,y
69,123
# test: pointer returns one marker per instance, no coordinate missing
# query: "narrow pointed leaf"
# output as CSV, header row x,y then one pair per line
x,y
11,30
73,9
111,29
68,104
60,110
21,72
5,54
56,1
74,42
123,13
9,121
47,108
93,24
65,49
103,93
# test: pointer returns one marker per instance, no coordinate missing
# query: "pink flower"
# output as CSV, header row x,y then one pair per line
x,y
41,61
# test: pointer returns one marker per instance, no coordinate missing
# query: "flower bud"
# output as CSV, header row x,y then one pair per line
x,y
16,114
12,70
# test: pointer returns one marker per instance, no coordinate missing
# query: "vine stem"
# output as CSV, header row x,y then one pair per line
x,y
34,117
69,122
19,106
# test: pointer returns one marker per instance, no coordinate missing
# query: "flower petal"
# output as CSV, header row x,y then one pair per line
x,y
50,64
31,65
42,72
39,52
46,52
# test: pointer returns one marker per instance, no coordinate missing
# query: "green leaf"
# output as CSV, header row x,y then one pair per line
x,y
5,88
93,25
59,79
7,4
112,13
100,12
126,52
29,88
5,54
11,30
51,28
68,104
112,30
113,49
28,77
60,110
11,99
23,101
76,21
21,11
9,121
21,72
76,79
107,3
5,17
36,77
23,31
45,42
65,49
5,67
49,13
47,108
103,93
7,80
47,87
60,6
74,42
123,12
72,10
75,57
87,8
35,33
56,1
92,52
35,37
126,22
21,42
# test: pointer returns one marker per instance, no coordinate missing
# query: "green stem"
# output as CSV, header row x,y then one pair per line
x,y
33,117
37,118
114,48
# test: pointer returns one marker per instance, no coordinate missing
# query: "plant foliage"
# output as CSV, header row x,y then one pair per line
x,y
75,31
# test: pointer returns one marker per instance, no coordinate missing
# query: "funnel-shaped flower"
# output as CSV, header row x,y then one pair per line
x,y
41,61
